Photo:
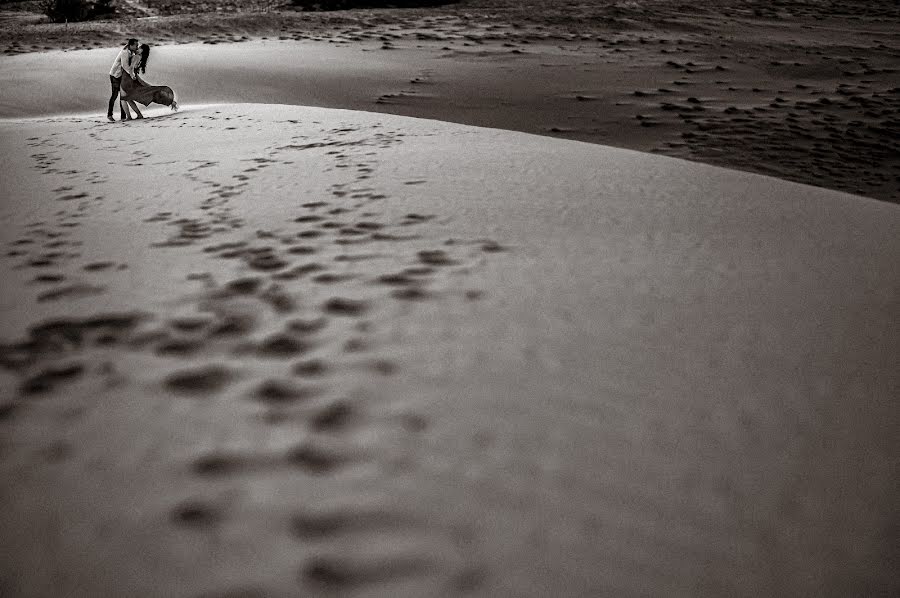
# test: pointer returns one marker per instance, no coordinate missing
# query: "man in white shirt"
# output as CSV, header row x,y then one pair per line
x,y
121,63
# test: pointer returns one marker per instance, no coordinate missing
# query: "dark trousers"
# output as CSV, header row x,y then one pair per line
x,y
115,82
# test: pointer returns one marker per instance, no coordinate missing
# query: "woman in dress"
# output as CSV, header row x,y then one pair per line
x,y
138,90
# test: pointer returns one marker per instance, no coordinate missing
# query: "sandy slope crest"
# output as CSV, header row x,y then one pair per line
x,y
814,104
256,350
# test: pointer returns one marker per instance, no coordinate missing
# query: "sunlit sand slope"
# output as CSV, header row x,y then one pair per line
x,y
255,350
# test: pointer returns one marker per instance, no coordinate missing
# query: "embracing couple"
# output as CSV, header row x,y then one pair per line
x,y
128,85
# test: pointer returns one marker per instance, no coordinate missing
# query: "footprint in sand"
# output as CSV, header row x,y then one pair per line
x,y
307,326
237,592
232,325
312,368
282,346
299,271
267,261
98,266
50,377
398,279
343,573
179,347
190,324
196,514
241,286
356,345
308,219
48,278
7,410
324,524
333,417
318,459
74,291
411,294
283,392
217,464
200,381
302,250
340,306
383,367
330,278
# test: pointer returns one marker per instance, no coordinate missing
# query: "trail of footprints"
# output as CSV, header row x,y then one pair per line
x,y
309,291
843,137
47,246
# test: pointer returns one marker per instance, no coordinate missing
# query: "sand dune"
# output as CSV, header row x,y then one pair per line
x,y
812,106
259,350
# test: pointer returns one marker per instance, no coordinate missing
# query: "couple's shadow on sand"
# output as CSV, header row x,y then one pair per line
x,y
154,115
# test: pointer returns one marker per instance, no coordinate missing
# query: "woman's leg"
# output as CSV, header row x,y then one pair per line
x,y
124,106
133,105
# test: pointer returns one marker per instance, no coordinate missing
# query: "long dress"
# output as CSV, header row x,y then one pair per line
x,y
137,90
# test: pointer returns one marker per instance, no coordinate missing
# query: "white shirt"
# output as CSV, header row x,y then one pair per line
x,y
122,63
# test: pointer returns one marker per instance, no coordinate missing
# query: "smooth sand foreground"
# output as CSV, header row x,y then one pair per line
x,y
256,350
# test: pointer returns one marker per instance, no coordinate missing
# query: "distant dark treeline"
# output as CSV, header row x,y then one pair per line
x,y
59,11
348,4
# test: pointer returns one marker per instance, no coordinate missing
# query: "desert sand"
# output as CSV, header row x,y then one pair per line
x,y
804,90
262,350
393,306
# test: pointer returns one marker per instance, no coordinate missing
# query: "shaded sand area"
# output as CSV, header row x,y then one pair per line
x,y
807,91
256,350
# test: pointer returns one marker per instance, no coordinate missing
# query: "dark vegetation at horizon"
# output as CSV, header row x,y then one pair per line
x,y
351,4
65,11
779,10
